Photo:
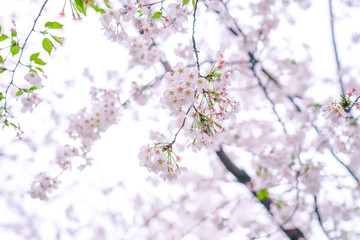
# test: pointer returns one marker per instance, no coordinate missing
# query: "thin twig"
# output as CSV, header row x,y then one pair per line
x,y
338,65
193,38
319,217
253,62
21,53
183,124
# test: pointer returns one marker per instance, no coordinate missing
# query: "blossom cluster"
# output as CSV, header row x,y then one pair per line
x,y
204,98
143,52
149,20
30,99
64,156
87,126
138,25
337,112
161,159
42,185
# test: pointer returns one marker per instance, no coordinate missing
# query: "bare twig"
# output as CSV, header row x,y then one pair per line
x,y
193,38
338,65
319,217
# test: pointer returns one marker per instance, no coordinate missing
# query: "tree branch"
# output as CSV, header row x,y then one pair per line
x,y
319,217
244,178
193,38
21,53
338,65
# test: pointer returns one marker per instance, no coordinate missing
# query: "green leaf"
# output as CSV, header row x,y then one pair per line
x,y
107,3
53,25
1,96
32,88
97,9
19,93
39,61
0,29
3,37
315,105
262,194
15,49
193,3
40,69
47,45
34,56
2,69
57,39
13,34
81,6
1,59
185,2
157,15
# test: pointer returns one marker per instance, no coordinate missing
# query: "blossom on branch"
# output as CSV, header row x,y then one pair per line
x,y
29,100
334,112
161,159
42,185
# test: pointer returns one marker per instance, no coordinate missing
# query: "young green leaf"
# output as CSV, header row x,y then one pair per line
x,y
15,49
19,93
262,194
47,45
185,2
39,61
13,34
1,96
57,39
32,88
97,9
157,15
1,59
81,6
40,69
193,3
2,69
3,37
34,56
53,25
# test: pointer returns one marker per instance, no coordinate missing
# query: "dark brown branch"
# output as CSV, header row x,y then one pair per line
x,y
244,178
